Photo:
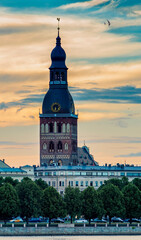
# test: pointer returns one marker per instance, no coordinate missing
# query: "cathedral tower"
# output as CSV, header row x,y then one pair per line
x,y
58,121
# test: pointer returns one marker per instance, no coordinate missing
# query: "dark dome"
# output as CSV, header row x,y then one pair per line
x,y
58,55
61,97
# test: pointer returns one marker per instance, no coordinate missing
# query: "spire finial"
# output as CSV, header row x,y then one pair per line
x,y
58,19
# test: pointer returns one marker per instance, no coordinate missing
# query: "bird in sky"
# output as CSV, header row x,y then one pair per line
x,y
108,22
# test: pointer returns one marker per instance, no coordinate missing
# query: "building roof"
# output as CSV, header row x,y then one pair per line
x,y
3,164
90,168
13,170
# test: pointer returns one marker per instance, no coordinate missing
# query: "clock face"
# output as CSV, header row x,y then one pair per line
x,y
55,107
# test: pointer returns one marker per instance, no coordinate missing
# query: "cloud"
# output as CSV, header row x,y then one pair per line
x,y
124,94
86,4
138,154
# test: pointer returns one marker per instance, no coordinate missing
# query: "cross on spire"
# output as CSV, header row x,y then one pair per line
x,y
58,19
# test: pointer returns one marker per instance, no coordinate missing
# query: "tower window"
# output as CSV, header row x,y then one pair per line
x,y
60,162
64,128
42,128
51,146
66,146
44,146
62,77
59,146
59,128
68,127
46,128
51,127
57,77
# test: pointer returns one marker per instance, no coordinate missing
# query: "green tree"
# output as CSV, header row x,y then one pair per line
x,y
137,182
92,206
72,198
113,201
132,198
9,202
120,183
41,183
1,181
11,181
30,198
52,204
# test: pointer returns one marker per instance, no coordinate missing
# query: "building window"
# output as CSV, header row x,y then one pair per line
x,y
50,163
68,127
76,184
53,183
44,146
122,174
62,183
42,128
51,127
101,183
86,183
49,183
46,128
59,146
61,192
91,183
66,146
89,173
62,76
96,183
51,146
71,183
59,162
57,77
54,173
55,127
63,128
81,184
59,125
40,174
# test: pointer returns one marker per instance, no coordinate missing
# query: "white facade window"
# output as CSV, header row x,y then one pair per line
x,y
83,173
69,173
44,146
86,183
77,173
42,128
68,127
81,183
96,183
101,183
46,128
66,146
64,128
105,174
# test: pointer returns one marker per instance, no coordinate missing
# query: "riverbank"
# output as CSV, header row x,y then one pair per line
x,y
58,231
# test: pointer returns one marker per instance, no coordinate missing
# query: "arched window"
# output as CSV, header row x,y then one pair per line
x,y
51,146
46,128
59,162
66,146
63,128
44,146
42,128
57,77
62,76
59,125
59,146
51,162
51,127
55,127
68,127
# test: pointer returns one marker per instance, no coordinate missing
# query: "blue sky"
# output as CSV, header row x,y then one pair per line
x,y
104,74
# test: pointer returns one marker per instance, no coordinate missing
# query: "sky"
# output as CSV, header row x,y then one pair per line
x,y
104,75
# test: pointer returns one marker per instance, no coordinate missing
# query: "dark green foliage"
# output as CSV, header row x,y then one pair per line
x,y
11,181
113,201
52,204
73,201
1,181
92,206
137,182
41,183
132,198
9,202
120,183
30,198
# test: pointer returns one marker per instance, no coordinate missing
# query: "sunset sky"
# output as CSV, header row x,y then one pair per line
x,y
104,75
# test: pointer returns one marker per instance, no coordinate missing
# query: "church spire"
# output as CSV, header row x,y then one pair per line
x,y
58,39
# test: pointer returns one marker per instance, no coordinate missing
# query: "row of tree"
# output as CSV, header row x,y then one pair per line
x,y
31,199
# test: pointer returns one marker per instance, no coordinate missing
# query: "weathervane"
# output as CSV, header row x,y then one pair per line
x,y
58,19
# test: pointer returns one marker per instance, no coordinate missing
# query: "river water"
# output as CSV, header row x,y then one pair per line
x,y
74,238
